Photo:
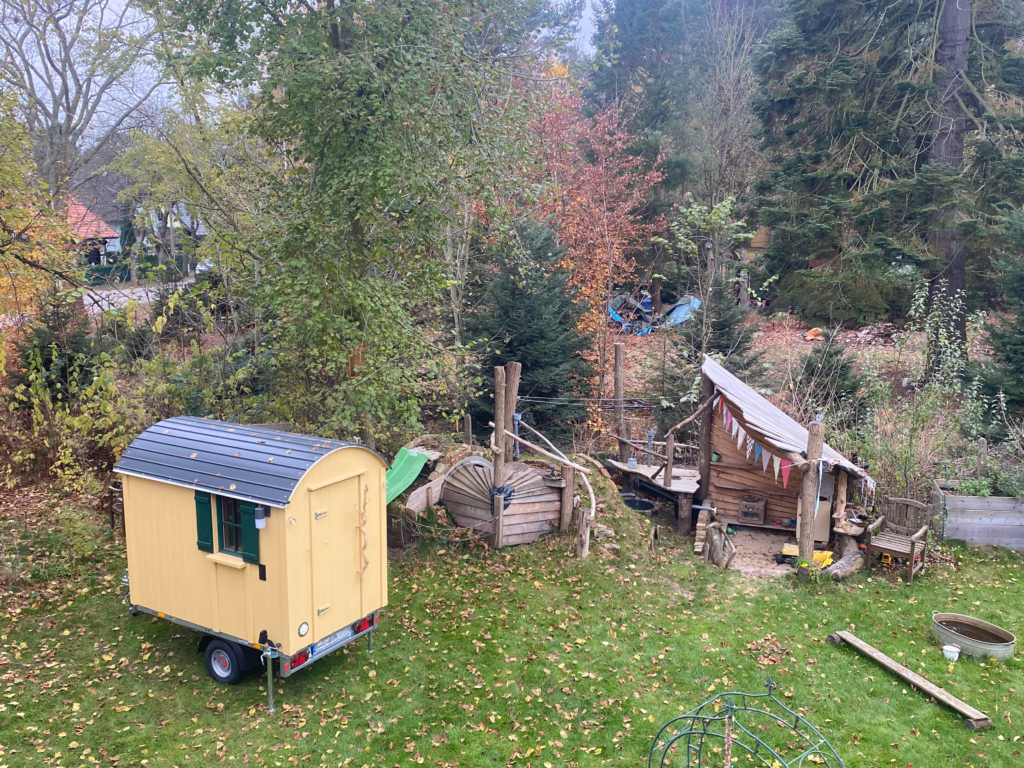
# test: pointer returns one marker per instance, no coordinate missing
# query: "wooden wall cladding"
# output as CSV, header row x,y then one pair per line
x,y
735,475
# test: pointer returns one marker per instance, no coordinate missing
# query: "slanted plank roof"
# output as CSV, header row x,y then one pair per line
x,y
248,463
781,431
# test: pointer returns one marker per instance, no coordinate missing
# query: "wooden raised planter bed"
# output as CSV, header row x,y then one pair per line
x,y
980,519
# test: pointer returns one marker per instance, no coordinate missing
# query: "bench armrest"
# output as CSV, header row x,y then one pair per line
x,y
917,536
874,526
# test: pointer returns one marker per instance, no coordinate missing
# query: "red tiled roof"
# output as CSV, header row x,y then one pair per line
x,y
85,224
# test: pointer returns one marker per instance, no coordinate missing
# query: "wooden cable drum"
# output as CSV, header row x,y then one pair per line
x,y
533,512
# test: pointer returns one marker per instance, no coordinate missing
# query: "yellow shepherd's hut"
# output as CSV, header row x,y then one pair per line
x,y
271,544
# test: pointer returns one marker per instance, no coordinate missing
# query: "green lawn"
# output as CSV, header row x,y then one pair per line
x,y
525,657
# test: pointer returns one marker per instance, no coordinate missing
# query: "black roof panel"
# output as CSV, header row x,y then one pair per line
x,y
248,463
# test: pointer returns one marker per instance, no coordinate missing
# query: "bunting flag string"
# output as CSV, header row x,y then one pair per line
x,y
727,418
765,457
735,427
716,402
775,463
750,446
785,465
757,453
741,435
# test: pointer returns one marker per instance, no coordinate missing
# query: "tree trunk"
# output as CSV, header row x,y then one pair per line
x,y
656,294
809,490
945,239
850,560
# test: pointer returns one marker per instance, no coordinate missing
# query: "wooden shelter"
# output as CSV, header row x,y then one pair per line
x,y
535,508
267,542
752,461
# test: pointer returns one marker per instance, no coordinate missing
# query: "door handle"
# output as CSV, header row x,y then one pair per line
x,y
318,515
321,611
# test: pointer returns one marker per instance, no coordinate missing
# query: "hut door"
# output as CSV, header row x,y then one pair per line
x,y
335,548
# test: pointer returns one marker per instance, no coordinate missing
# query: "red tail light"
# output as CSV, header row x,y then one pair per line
x,y
376,619
299,659
363,625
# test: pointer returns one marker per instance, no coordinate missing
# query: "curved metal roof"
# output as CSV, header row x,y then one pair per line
x,y
254,464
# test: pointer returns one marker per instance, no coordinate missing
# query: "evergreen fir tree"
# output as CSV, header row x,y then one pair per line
x,y
718,328
1004,374
521,311
827,382
58,347
848,92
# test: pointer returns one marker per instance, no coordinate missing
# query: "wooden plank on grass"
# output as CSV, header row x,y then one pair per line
x,y
976,719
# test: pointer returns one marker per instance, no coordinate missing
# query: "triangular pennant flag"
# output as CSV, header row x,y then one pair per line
x,y
757,453
786,464
735,427
716,402
727,418
721,402
765,456
750,446
775,463
740,435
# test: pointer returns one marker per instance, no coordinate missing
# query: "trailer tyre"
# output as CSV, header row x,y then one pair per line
x,y
222,662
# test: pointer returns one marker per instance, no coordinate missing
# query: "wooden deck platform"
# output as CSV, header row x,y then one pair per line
x,y
684,481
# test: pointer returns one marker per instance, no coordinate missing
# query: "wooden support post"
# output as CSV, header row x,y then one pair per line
x,y
513,372
684,525
467,428
809,489
568,492
670,455
707,390
498,446
744,289
620,411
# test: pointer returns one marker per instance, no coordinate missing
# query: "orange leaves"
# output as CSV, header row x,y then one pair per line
x,y
598,201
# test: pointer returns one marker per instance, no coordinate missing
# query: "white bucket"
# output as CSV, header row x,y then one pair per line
x,y
951,652
631,463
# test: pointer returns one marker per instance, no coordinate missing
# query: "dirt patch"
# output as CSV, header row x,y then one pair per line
x,y
756,549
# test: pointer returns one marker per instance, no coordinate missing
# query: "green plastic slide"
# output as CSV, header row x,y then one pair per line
x,y
404,471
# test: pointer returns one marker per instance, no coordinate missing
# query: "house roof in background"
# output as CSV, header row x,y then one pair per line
x,y
85,224
778,429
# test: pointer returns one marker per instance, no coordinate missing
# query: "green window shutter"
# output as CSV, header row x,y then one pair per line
x,y
250,534
204,522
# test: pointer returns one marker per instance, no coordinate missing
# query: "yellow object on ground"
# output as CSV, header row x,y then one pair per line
x,y
790,550
822,558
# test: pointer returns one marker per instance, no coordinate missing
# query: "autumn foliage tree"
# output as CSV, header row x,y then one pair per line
x,y
599,192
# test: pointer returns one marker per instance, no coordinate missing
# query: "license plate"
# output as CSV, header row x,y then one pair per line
x,y
331,640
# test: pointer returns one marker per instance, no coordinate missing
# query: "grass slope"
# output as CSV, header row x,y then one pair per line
x,y
525,657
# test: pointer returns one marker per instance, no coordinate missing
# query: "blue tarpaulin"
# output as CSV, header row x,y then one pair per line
x,y
680,311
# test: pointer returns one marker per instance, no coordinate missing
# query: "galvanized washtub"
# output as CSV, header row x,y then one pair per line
x,y
974,636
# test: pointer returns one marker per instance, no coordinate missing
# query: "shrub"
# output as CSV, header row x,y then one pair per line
x,y
975,486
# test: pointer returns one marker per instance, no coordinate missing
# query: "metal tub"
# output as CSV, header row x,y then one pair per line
x,y
974,636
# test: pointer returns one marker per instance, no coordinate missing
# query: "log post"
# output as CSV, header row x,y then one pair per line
x,y
568,493
809,489
498,446
620,411
670,454
707,389
467,429
684,524
513,372
744,289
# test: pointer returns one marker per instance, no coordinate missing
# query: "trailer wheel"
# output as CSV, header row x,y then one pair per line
x,y
222,662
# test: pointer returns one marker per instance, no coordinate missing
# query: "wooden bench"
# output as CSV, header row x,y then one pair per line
x,y
901,531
